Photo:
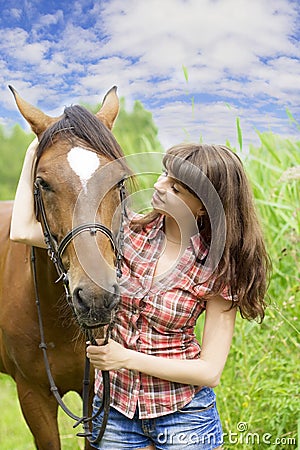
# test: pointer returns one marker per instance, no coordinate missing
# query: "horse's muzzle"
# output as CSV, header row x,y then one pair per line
x,y
94,309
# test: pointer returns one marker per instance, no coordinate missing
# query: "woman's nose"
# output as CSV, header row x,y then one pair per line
x,y
160,182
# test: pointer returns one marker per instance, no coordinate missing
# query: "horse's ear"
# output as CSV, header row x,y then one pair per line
x,y
110,108
38,120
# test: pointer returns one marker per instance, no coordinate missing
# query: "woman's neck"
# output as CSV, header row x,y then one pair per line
x,y
179,233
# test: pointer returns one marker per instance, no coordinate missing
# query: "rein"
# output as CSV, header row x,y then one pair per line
x,y
55,253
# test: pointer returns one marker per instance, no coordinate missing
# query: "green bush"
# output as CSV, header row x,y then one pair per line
x,y
12,149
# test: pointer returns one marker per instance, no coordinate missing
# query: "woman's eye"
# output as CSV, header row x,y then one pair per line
x,y
175,189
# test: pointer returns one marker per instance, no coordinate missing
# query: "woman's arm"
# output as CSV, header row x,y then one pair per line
x,y
205,371
24,226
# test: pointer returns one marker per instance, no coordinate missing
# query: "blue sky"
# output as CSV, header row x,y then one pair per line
x,y
241,56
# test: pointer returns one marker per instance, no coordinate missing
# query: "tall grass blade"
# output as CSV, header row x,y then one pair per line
x,y
239,133
185,73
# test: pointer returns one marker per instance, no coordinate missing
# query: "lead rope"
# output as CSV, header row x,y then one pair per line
x,y
43,345
86,381
105,405
55,257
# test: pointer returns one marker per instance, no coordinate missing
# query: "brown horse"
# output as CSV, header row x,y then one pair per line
x,y
72,149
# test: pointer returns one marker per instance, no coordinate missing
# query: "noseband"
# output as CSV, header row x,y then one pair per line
x,y
55,252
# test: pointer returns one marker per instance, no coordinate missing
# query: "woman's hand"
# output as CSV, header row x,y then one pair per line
x,y
24,226
204,371
111,356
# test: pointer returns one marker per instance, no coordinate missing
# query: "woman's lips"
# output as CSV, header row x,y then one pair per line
x,y
156,198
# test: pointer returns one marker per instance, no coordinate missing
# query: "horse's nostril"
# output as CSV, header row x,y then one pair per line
x,y
78,296
116,289
87,302
111,299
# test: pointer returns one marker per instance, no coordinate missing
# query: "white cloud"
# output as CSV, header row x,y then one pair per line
x,y
215,123
16,13
45,21
31,53
236,51
207,122
229,47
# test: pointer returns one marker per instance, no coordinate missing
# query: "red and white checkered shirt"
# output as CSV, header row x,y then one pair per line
x,y
157,318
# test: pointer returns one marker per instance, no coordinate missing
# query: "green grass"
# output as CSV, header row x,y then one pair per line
x,y
258,397
14,432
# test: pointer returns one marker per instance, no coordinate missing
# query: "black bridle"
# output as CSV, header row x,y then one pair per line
x,y
55,252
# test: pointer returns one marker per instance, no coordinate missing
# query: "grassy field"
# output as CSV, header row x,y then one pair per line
x,y
14,432
258,397
259,394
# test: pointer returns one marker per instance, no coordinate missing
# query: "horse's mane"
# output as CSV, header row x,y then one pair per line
x,y
77,123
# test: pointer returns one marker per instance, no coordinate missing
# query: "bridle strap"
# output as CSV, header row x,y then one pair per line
x,y
55,253
92,228
43,345
105,404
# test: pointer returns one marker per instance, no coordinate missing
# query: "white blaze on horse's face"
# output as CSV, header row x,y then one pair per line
x,y
84,163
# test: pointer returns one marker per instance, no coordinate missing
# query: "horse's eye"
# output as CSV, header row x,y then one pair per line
x,y
43,184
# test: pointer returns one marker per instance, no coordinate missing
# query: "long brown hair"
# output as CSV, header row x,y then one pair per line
x,y
214,172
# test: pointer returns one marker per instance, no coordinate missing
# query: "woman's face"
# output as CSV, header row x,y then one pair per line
x,y
172,198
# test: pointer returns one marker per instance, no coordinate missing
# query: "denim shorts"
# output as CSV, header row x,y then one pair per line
x,y
196,426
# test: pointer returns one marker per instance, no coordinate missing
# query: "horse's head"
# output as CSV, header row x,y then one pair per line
x,y
78,170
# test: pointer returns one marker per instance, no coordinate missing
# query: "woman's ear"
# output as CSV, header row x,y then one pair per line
x,y
200,212
199,217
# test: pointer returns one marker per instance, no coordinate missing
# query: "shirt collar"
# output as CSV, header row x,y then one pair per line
x,y
199,246
155,227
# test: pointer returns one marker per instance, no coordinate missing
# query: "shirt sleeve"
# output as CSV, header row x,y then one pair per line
x,y
205,289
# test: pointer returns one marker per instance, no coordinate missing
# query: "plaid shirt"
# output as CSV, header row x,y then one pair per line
x,y
157,318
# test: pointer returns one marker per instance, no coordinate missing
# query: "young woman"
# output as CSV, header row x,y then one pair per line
x,y
199,251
